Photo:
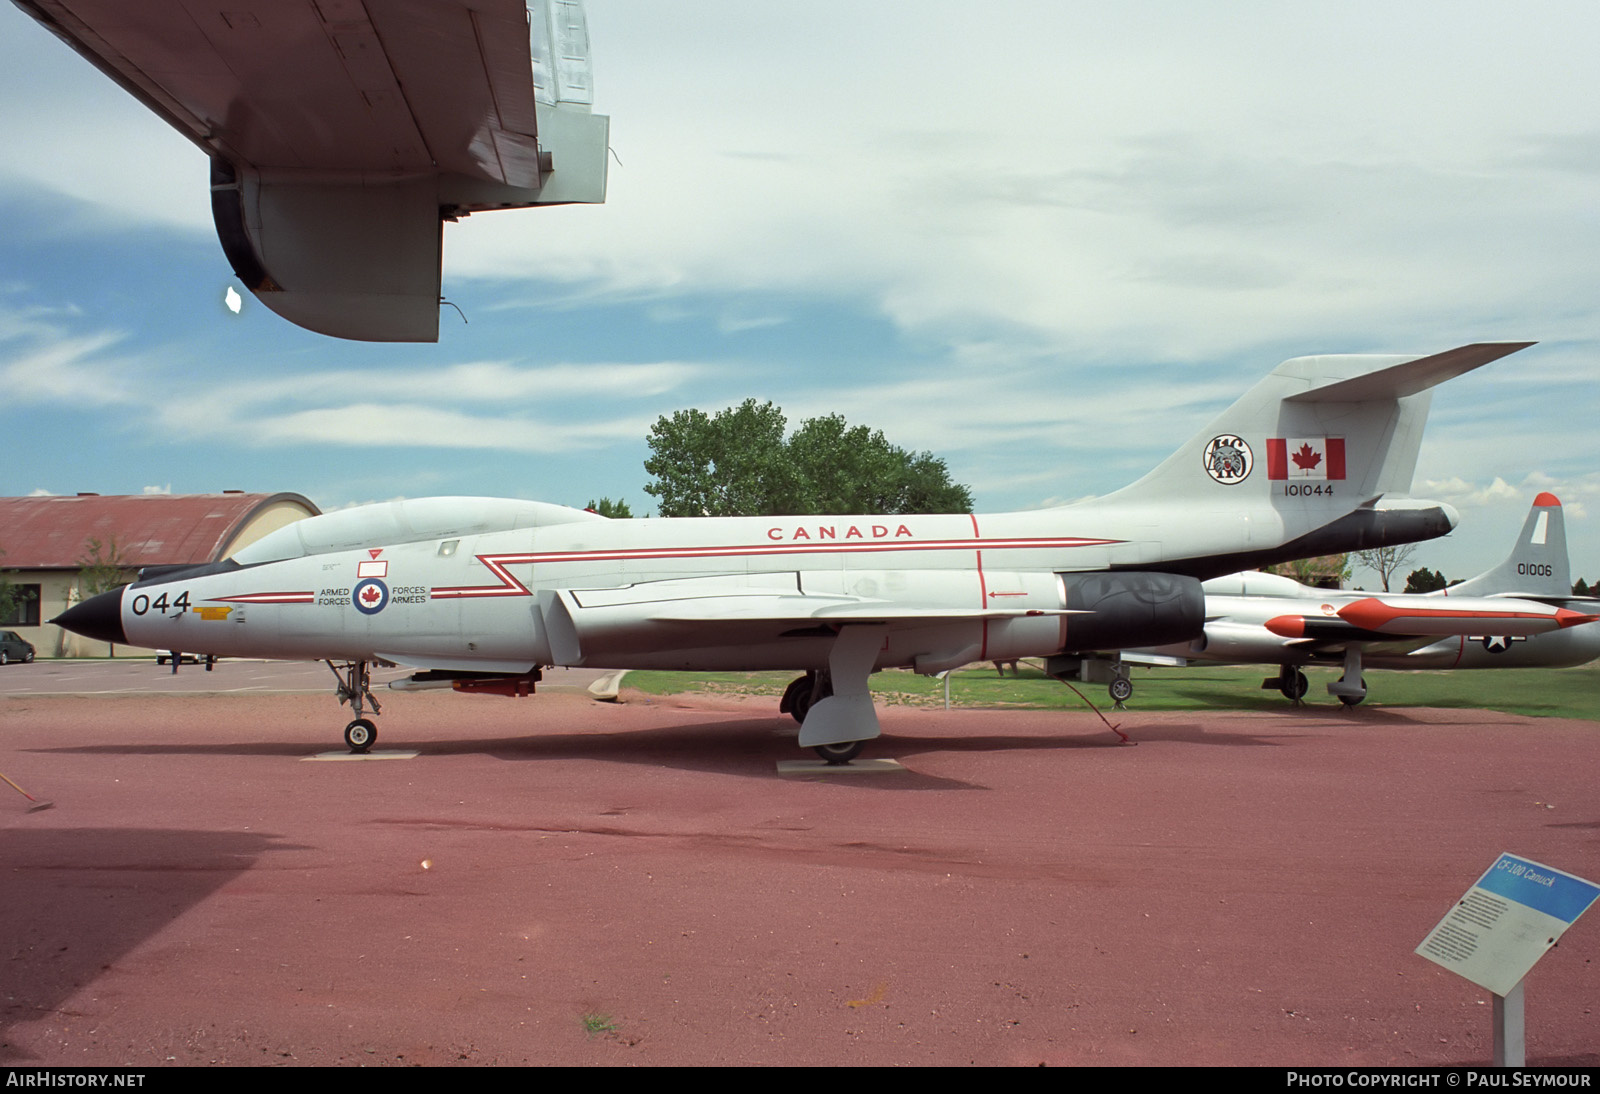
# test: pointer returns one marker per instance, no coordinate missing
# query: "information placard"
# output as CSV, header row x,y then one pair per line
x,y
1507,921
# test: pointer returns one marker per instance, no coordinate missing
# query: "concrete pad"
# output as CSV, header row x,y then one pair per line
x,y
858,766
375,754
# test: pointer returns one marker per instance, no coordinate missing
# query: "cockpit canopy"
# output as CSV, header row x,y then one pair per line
x,y
407,521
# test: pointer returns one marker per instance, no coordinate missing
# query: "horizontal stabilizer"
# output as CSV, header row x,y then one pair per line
x,y
1409,377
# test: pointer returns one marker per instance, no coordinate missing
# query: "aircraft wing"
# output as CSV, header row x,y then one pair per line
x,y
804,610
1153,660
738,609
342,133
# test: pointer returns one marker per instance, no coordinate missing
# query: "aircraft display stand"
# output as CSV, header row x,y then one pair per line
x,y
854,767
1507,920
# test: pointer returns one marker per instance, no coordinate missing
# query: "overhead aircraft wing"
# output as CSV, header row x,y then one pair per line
x,y
343,133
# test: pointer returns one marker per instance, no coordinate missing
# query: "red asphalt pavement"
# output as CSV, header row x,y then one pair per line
x,y
558,881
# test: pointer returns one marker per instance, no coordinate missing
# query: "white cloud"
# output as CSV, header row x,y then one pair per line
x,y
1460,493
411,426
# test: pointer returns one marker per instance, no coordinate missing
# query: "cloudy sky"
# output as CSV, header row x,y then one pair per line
x,y
1045,240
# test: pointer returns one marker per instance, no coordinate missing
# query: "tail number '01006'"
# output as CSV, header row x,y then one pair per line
x,y
142,604
1308,490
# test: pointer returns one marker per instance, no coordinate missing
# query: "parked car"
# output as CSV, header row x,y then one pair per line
x,y
164,657
14,647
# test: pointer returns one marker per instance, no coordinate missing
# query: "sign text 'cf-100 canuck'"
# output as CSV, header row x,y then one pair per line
x,y
1316,458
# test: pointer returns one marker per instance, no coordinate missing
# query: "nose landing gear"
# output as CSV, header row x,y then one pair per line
x,y
355,688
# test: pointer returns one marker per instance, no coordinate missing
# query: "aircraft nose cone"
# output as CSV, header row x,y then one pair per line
x,y
1450,514
99,617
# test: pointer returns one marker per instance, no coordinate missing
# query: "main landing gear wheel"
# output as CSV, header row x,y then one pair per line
x,y
1293,684
803,692
360,735
1121,689
1353,700
796,698
841,753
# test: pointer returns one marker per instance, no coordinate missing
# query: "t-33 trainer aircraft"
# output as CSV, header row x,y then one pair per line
x,y
1315,458
1521,614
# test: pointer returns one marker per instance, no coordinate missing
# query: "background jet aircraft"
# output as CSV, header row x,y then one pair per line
x,y
342,134
488,591
1520,614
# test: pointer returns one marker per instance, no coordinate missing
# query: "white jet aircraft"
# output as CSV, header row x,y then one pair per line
x,y
342,134
1315,458
1520,614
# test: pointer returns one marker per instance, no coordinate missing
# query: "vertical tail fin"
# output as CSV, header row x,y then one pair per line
x,y
1349,423
1537,565
1297,466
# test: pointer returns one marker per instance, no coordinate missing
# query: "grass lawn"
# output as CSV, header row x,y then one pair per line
x,y
1552,693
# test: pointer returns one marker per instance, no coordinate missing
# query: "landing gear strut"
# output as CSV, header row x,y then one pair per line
x,y
355,688
1350,688
800,696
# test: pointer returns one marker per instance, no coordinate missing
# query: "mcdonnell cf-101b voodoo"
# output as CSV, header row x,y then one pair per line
x,y
342,134
1315,458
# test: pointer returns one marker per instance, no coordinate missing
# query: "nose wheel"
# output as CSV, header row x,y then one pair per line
x,y
360,734
355,688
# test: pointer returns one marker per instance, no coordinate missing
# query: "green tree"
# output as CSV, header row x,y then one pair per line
x,y
1425,581
8,593
1322,571
1386,560
728,465
1581,587
101,567
844,469
616,510
738,462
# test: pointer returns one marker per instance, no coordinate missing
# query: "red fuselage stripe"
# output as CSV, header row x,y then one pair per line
x,y
510,586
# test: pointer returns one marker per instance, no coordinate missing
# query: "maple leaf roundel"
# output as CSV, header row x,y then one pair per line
x,y
370,596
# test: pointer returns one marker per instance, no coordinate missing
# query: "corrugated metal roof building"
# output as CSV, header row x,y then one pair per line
x,y
48,541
